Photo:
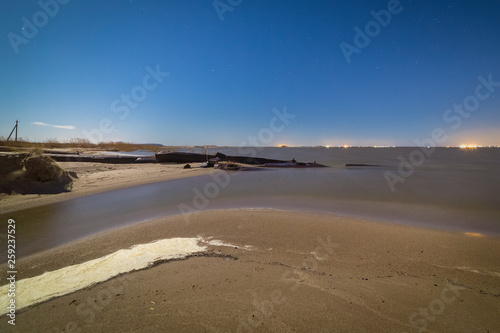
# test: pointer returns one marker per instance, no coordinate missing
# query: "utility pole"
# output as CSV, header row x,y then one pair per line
x,y
14,129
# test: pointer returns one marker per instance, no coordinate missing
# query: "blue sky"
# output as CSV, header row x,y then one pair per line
x,y
226,76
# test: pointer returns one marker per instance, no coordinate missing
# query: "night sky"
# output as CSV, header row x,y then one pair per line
x,y
203,72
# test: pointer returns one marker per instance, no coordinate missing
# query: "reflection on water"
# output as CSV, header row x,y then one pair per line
x,y
453,189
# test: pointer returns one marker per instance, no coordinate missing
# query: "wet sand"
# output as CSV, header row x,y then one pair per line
x,y
304,272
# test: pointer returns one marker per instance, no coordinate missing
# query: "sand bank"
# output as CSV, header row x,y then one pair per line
x,y
287,272
100,177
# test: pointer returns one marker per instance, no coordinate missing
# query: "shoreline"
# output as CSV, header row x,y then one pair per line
x,y
286,270
347,268
96,178
120,237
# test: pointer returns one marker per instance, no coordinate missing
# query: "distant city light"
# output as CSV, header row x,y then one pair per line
x,y
469,146
473,234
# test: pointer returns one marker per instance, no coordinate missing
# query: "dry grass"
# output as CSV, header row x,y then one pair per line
x,y
78,143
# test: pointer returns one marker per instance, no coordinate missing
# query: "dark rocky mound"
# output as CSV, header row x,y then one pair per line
x,y
33,174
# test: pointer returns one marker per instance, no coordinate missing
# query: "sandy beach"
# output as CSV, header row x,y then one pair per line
x,y
272,271
298,272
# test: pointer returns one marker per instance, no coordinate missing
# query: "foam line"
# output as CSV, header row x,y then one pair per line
x,y
72,278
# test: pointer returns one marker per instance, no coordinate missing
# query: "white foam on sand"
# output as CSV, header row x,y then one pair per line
x,y
72,278
216,242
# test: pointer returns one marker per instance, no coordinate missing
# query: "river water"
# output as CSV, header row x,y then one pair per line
x,y
444,188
